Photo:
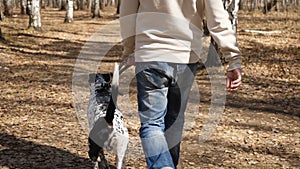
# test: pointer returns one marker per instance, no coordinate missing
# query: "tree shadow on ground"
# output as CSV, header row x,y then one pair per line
x,y
269,89
220,146
259,19
20,153
260,98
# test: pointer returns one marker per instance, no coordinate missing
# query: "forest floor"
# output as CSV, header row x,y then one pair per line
x,y
39,128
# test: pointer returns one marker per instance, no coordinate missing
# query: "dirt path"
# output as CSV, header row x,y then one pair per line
x,y
39,127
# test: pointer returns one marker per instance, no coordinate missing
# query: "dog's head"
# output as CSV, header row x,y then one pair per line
x,y
100,78
100,88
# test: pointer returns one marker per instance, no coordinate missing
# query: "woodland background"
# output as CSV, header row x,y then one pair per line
x,y
38,124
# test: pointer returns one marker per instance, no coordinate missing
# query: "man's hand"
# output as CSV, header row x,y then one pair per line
x,y
234,79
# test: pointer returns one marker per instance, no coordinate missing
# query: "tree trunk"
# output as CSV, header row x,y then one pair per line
x,y
43,4
1,37
96,10
58,3
34,15
8,8
50,3
241,4
70,9
118,6
89,4
23,4
63,5
81,5
102,4
1,12
268,5
54,3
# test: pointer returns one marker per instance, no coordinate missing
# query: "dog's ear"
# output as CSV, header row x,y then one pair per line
x,y
107,77
92,78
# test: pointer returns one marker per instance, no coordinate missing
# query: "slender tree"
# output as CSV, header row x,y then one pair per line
x,y
8,8
70,9
232,7
1,12
51,3
63,5
58,3
43,4
81,4
89,4
23,4
34,15
268,5
118,6
96,9
1,37
102,3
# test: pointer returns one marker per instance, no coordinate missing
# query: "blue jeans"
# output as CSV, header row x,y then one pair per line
x,y
163,90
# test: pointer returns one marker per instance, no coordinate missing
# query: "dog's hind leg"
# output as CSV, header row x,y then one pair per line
x,y
96,166
120,162
121,152
104,162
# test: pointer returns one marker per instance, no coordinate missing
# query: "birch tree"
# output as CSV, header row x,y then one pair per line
x,y
81,4
268,5
43,4
89,4
1,12
96,8
8,8
118,6
2,39
63,5
70,9
34,15
23,5
102,4
232,7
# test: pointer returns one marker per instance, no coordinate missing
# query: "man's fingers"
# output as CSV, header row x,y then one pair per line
x,y
236,83
233,87
238,80
234,80
228,82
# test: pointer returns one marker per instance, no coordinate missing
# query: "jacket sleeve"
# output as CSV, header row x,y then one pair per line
x,y
128,12
220,28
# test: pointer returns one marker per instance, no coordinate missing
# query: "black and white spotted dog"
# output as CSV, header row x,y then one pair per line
x,y
108,130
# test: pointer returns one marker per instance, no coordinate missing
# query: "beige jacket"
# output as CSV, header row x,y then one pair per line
x,y
171,30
